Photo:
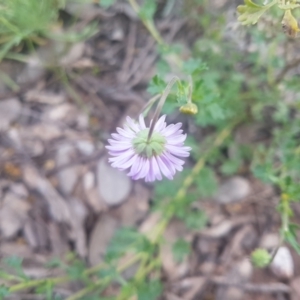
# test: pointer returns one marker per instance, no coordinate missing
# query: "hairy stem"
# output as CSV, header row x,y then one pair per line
x,y
148,24
157,232
149,104
161,104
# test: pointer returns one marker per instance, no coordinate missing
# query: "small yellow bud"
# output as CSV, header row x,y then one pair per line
x,y
290,24
189,108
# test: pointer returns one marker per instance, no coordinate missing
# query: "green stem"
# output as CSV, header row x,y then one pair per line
x,y
103,282
94,269
190,89
148,24
285,200
140,273
161,104
11,277
149,104
285,212
34,283
9,82
89,289
154,236
158,230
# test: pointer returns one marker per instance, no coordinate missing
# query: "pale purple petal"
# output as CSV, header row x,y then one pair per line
x,y
179,151
177,163
136,166
171,129
116,153
132,124
128,129
119,137
178,139
180,131
143,170
120,147
126,164
124,155
150,176
159,126
121,164
169,165
173,159
121,158
142,122
134,174
125,133
156,170
117,143
164,168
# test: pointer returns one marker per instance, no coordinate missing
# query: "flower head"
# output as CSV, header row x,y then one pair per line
x,y
148,157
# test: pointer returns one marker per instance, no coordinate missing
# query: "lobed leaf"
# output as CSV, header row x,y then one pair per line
x,y
250,12
288,6
181,249
150,290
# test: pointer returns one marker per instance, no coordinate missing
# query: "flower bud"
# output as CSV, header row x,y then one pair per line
x,y
189,108
290,24
260,258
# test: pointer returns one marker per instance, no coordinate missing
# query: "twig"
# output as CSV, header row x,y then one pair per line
x,y
138,64
130,49
267,288
286,69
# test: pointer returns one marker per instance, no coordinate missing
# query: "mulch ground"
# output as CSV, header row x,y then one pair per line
x,y
58,194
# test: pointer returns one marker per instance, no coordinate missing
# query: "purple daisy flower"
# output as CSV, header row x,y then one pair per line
x,y
148,158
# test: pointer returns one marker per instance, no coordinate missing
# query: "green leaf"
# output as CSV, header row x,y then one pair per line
x,y
76,270
230,167
181,249
4,291
156,85
109,271
251,12
167,188
106,3
169,108
194,65
182,93
53,263
147,10
149,290
162,67
289,6
14,262
263,172
195,219
206,182
291,237
59,297
125,239
216,111
127,291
